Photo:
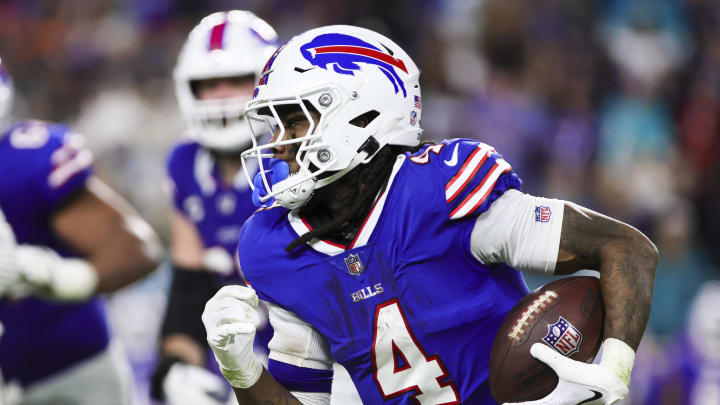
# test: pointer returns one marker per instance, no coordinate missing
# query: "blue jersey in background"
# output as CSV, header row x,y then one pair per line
x,y
42,165
216,210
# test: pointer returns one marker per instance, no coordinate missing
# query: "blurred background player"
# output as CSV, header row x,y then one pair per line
x,y
214,78
688,372
76,238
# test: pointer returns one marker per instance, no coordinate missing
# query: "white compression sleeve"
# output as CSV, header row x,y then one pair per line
x,y
312,398
520,230
296,342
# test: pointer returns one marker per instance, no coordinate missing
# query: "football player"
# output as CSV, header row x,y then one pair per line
x,y
214,78
75,238
687,372
400,259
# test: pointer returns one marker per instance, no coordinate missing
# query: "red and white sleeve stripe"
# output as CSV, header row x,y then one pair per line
x,y
467,171
68,165
478,196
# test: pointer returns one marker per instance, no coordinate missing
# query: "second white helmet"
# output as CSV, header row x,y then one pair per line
x,y
225,44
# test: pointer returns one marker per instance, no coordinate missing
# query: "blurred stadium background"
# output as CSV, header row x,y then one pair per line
x,y
612,104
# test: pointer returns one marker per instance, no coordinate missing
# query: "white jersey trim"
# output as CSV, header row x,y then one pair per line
x,y
371,221
366,230
301,228
520,230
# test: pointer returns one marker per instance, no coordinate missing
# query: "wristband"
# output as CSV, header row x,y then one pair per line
x,y
619,358
243,379
64,279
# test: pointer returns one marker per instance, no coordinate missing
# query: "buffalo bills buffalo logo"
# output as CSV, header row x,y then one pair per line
x,y
344,52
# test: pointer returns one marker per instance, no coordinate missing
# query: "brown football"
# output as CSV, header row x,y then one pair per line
x,y
567,315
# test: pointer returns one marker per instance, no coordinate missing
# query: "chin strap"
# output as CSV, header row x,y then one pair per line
x,y
298,195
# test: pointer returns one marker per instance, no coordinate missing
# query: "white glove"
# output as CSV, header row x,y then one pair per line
x,y
230,319
186,384
587,384
45,273
9,272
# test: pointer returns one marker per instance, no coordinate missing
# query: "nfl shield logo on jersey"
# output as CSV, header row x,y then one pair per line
x,y
354,265
542,213
563,337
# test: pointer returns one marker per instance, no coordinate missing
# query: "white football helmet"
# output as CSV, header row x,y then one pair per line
x,y
344,72
224,44
6,95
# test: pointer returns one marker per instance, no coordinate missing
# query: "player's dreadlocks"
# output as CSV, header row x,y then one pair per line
x,y
356,190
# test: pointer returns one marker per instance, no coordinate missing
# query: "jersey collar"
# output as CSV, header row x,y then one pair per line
x,y
301,227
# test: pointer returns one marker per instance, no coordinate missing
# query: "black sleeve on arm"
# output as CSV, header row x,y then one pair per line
x,y
190,290
162,367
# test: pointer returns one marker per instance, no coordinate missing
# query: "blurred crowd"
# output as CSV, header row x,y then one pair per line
x,y
613,104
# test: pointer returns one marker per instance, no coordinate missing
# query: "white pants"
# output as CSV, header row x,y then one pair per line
x,y
103,379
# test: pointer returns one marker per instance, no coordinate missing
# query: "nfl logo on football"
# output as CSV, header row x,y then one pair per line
x,y
563,337
354,265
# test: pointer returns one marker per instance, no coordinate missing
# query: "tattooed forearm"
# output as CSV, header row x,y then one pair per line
x,y
266,391
626,260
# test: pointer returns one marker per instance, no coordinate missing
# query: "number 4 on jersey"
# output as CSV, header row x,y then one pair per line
x,y
402,366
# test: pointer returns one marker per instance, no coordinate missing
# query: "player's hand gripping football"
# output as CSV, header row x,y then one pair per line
x,y
9,272
230,319
587,384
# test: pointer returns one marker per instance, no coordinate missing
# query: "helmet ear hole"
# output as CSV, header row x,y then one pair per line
x,y
364,119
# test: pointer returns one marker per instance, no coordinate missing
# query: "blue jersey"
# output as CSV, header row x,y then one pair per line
x,y
216,210
43,164
406,308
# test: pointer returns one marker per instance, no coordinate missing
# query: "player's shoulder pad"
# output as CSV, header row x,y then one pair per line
x,y
37,136
471,174
52,149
